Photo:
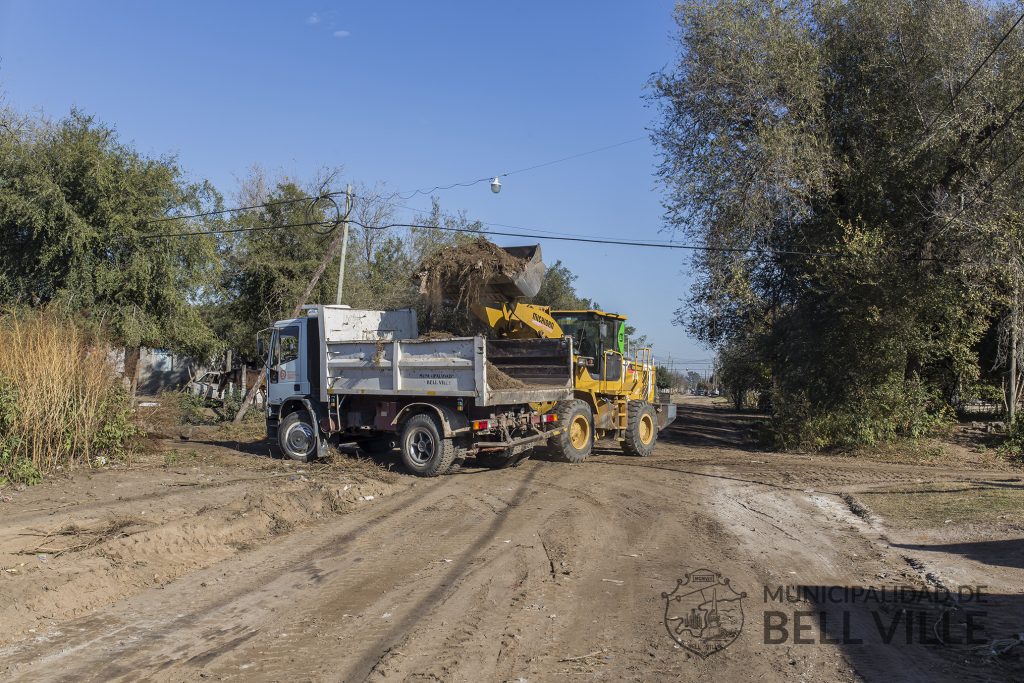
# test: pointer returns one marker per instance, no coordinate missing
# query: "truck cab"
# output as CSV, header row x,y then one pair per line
x,y
294,372
289,370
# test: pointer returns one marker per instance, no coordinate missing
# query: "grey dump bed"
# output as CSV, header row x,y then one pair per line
x,y
528,370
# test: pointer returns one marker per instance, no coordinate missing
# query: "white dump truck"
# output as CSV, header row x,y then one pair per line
x,y
341,375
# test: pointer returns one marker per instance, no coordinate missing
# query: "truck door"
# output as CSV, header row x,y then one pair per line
x,y
287,366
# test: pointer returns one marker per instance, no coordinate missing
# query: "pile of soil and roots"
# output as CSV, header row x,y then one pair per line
x,y
497,379
459,273
436,335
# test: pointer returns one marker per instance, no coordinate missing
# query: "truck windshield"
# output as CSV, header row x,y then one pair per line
x,y
284,365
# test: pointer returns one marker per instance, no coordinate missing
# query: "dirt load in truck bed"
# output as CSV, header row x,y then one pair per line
x,y
497,379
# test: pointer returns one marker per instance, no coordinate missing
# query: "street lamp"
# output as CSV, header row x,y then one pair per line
x,y
495,185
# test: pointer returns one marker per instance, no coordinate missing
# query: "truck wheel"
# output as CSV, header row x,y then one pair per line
x,y
577,437
296,437
641,429
425,452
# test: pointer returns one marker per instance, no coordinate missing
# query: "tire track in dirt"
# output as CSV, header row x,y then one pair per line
x,y
542,572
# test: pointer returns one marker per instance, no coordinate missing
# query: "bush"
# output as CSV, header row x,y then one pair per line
x,y
61,402
1013,447
883,413
194,410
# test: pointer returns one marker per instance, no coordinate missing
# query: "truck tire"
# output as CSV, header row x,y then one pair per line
x,y
641,429
577,438
296,437
425,452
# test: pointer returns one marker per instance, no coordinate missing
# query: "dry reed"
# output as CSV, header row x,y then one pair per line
x,y
61,402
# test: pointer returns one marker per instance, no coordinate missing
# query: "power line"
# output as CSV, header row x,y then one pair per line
x,y
970,78
1003,126
575,156
235,209
332,224
501,233
540,231
197,233
311,198
470,183
444,228
987,184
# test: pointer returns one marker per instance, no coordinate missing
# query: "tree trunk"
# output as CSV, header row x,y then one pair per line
x,y
132,356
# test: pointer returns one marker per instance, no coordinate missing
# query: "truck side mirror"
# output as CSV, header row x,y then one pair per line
x,y
261,349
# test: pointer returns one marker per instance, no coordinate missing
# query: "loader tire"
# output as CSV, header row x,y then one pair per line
x,y
425,451
577,438
641,429
296,437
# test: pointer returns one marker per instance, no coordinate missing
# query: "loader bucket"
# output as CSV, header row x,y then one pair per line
x,y
525,284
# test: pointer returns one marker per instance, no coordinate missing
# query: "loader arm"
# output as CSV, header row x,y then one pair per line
x,y
516,320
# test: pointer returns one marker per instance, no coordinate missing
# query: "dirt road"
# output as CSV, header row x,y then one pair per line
x,y
542,572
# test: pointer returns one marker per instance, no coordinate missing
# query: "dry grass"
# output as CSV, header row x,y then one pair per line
x,y
84,538
360,468
936,504
61,403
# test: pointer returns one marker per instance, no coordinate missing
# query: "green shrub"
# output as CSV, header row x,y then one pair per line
x,y
1013,447
883,413
194,410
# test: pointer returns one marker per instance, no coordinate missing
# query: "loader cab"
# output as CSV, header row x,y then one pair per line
x,y
597,335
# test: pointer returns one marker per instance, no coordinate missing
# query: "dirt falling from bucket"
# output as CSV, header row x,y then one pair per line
x,y
459,273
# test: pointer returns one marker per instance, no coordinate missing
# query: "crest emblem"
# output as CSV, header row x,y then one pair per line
x,y
704,614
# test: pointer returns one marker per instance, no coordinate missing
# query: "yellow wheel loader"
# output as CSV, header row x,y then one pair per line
x,y
614,386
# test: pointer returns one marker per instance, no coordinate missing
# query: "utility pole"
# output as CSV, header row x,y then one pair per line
x,y
344,245
1011,407
332,249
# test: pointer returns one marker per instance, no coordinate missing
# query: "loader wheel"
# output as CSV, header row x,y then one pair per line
x,y
641,429
296,437
577,438
425,452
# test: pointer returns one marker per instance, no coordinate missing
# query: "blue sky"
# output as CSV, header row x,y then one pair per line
x,y
411,94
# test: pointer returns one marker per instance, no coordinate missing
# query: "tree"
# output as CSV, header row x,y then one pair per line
x,y
852,192
379,266
75,212
558,290
267,267
741,373
670,379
